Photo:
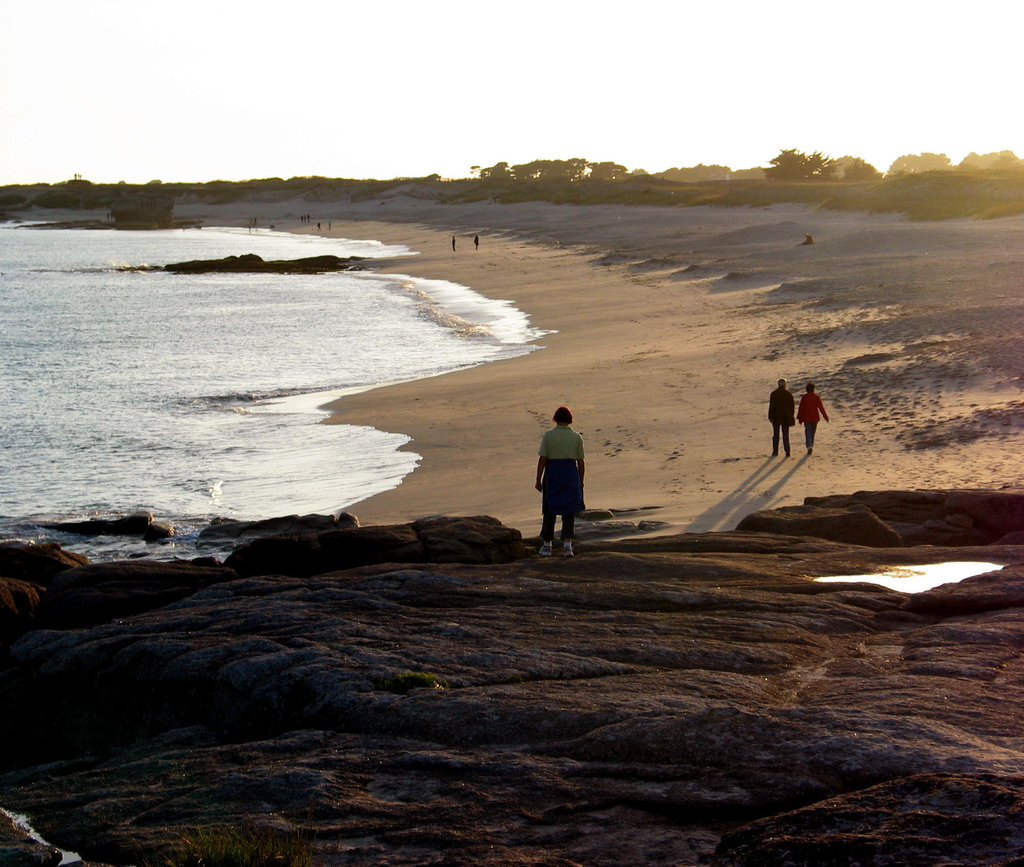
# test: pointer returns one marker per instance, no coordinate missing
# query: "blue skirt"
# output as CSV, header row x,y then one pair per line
x,y
563,493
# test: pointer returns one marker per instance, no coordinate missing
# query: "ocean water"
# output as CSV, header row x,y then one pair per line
x,y
126,387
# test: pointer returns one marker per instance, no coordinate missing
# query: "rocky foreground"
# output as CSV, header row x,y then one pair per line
x,y
688,699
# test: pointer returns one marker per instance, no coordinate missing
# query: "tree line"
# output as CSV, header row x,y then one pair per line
x,y
795,165
571,170
788,165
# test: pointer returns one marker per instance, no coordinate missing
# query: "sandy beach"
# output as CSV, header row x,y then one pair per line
x,y
668,328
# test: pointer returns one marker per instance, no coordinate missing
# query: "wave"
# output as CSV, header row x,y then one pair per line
x,y
433,311
467,313
243,399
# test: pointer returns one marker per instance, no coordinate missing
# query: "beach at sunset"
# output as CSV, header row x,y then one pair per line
x,y
669,328
290,300
668,695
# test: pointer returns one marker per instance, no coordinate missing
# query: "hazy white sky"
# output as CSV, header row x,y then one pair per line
x,y
194,91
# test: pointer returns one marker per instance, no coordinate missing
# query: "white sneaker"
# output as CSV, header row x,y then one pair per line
x,y
545,550
567,550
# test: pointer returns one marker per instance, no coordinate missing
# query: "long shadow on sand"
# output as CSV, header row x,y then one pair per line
x,y
748,496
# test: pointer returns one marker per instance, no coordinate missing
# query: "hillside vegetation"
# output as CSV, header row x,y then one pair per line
x,y
934,195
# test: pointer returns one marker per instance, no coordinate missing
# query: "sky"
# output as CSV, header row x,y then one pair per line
x,y
188,91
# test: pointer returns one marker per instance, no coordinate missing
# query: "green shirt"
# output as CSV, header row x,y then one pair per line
x,y
561,443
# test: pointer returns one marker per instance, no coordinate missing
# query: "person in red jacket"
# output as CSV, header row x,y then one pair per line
x,y
811,411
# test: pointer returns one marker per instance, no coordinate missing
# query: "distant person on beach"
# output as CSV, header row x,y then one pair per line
x,y
811,411
781,407
476,242
560,471
453,243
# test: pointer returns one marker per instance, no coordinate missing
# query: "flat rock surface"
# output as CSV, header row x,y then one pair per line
x,y
625,707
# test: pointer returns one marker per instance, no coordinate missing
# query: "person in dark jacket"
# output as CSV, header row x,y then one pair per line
x,y
781,412
560,470
811,411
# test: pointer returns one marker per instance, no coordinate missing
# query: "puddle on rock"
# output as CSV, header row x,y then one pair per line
x,y
916,579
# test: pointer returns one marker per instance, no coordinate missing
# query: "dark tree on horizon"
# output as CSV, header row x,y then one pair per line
x,y
607,171
497,172
794,165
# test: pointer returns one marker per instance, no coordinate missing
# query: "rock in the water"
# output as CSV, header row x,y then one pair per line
x,y
133,525
252,263
158,531
855,525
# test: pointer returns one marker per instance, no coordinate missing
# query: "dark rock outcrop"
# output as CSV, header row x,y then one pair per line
x,y
622,707
289,525
992,591
139,524
25,570
999,511
251,263
18,849
431,540
136,524
925,820
729,542
902,507
853,525
37,563
102,592
958,517
468,540
18,603
666,700
157,531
